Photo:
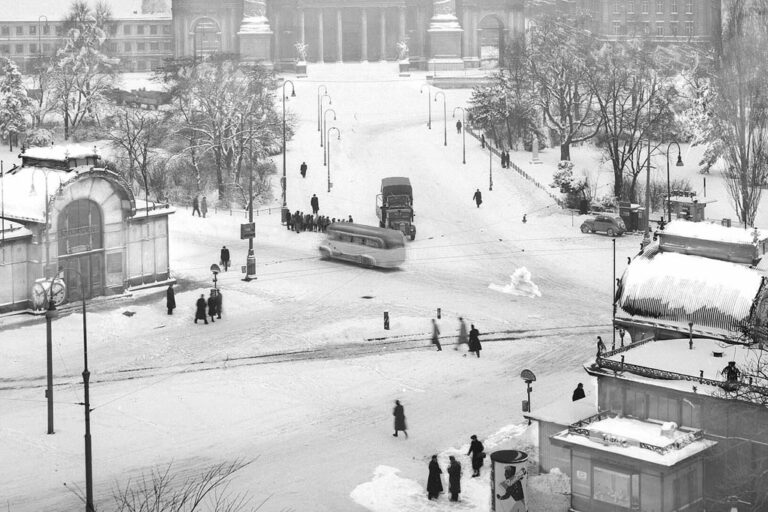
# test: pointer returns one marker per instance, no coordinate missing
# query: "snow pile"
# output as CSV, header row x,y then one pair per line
x,y
388,492
715,232
520,284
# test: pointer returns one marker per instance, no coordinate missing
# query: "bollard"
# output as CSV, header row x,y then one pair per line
x,y
438,313
386,320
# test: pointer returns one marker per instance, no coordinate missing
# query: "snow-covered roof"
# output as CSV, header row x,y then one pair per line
x,y
716,232
24,191
10,230
151,209
57,10
61,152
635,439
564,412
666,286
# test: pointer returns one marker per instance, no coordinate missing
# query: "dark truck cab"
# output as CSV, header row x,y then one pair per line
x,y
394,206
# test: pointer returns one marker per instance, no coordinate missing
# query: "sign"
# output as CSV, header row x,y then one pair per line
x,y
527,375
247,231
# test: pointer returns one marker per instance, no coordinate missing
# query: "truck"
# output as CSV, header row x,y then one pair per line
x,y
394,205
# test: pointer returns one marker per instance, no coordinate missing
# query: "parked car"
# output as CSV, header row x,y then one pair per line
x,y
612,225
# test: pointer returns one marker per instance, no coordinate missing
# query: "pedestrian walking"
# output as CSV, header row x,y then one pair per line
x,y
315,203
525,218
170,299
578,393
225,258
478,197
204,206
200,309
196,206
436,335
463,335
482,141
474,341
399,414
303,169
434,480
454,478
219,300
212,305
458,127
350,219
477,451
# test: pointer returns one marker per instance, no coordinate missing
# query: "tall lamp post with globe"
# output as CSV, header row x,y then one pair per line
x,y
285,212
328,151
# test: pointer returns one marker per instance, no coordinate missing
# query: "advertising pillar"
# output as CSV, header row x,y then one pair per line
x,y
509,481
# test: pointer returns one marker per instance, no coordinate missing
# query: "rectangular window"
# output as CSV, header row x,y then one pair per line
x,y
660,6
154,47
33,30
659,29
644,6
127,30
46,48
19,48
630,6
616,7
33,48
153,30
580,473
166,29
689,28
112,48
167,47
19,30
688,6
5,49
140,29
646,28
5,30
127,47
611,487
674,29
59,30
616,28
46,29
673,6
139,47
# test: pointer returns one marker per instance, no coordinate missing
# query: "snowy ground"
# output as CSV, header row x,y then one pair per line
x,y
294,375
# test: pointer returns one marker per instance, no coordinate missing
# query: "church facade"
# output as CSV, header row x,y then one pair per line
x,y
440,34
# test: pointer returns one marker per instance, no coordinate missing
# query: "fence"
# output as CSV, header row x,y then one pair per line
x,y
237,211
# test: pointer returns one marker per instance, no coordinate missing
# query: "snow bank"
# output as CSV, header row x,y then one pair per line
x,y
520,284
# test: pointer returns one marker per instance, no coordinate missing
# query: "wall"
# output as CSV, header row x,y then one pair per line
x,y
15,286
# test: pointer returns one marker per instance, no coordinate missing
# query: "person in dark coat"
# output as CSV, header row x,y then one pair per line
x,y
458,126
434,480
436,335
350,219
476,449
474,341
478,197
315,203
600,346
482,141
578,393
212,306
454,478
219,300
195,206
399,414
200,312
463,337
170,299
204,206
303,169
225,257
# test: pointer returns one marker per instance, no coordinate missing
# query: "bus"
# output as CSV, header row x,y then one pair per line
x,y
366,245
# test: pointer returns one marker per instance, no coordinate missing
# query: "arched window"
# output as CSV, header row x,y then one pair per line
x,y
207,36
80,227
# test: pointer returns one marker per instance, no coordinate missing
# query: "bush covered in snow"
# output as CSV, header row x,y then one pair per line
x,y
39,138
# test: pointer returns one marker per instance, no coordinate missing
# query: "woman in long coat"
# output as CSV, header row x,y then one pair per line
x,y
454,478
463,337
434,481
474,341
170,299
212,306
399,415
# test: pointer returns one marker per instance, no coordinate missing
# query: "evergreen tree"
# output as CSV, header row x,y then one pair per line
x,y
14,103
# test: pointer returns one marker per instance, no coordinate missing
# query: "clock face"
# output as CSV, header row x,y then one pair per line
x,y
39,296
59,291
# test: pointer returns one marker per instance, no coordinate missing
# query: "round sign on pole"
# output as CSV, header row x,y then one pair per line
x,y
509,481
527,375
215,268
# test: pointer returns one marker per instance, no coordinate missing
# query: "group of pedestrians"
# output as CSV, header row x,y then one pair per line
x,y
435,481
504,159
471,338
200,206
211,307
301,221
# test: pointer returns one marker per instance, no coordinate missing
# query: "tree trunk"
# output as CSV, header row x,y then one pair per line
x,y
565,150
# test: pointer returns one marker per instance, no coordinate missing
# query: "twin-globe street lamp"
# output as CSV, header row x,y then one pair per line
x,y
325,123
321,128
463,133
429,103
319,101
328,151
445,119
285,206
678,164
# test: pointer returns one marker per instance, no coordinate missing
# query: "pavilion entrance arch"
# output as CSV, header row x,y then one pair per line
x,y
206,37
81,248
491,42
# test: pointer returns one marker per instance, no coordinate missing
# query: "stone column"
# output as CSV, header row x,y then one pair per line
x,y
301,26
255,34
445,37
364,23
277,37
401,24
465,37
383,24
339,30
320,52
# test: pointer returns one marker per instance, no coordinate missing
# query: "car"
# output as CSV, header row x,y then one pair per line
x,y
612,225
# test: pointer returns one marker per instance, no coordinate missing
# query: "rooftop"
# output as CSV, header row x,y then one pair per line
x,y
24,191
62,152
565,411
56,10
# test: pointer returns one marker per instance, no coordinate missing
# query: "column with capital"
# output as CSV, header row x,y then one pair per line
x,y
445,37
364,26
255,34
339,35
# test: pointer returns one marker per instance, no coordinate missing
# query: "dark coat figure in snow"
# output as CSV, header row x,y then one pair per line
x,y
476,450
454,478
463,336
436,335
212,306
478,197
578,393
303,169
204,206
225,258
434,480
458,127
474,341
200,311
482,141
195,206
170,299
399,414
350,219
315,203
600,346
218,303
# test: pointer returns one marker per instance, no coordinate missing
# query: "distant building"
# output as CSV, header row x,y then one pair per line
x,y
61,211
140,35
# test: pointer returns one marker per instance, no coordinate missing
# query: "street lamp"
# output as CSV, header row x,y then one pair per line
x,y
293,95
325,123
528,376
86,396
328,150
445,119
325,93
463,133
669,192
490,168
429,103
320,114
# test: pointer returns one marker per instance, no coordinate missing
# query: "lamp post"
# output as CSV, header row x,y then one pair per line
x,y
678,164
490,168
293,95
328,150
463,133
429,104
320,115
529,378
445,119
325,93
325,123
86,397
